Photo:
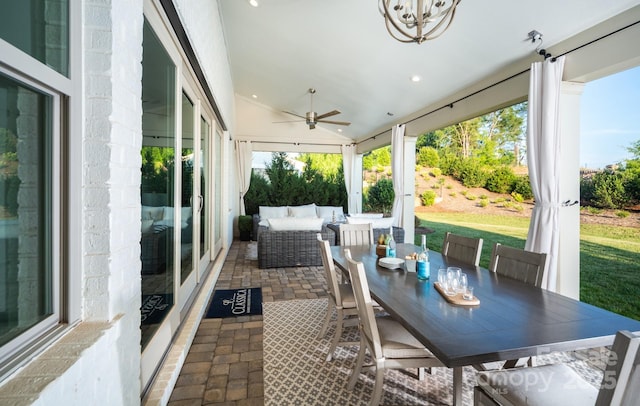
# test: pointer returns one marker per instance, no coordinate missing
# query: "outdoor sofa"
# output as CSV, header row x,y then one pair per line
x,y
286,235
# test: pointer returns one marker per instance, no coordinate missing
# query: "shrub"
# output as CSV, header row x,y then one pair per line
x,y
435,172
501,180
483,197
483,203
380,196
471,196
450,165
453,194
448,186
594,210
609,191
464,192
499,199
622,214
517,197
522,185
428,156
428,198
472,174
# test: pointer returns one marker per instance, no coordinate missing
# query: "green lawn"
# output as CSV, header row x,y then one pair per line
x,y
609,256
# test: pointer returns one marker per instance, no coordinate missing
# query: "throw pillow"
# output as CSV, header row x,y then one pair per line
x,y
296,224
145,226
327,213
273,212
308,210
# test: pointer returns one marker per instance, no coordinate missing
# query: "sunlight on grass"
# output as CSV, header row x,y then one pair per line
x,y
609,256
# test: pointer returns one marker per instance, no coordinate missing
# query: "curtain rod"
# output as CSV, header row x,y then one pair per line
x,y
299,143
450,105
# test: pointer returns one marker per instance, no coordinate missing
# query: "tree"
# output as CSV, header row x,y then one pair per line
x,y
505,128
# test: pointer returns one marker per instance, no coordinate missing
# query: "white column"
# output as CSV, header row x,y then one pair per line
x,y
409,187
568,282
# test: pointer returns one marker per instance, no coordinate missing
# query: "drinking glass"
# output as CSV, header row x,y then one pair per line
x,y
442,277
452,282
468,293
463,283
456,271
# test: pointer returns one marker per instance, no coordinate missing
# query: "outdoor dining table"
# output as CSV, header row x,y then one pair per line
x,y
513,320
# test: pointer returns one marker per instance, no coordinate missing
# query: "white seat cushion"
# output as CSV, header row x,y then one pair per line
x,y
296,224
385,222
397,342
545,385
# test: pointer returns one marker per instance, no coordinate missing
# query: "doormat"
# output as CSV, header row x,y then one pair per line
x,y
155,307
235,302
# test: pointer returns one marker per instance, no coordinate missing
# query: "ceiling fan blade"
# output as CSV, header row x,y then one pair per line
x,y
334,122
329,114
294,114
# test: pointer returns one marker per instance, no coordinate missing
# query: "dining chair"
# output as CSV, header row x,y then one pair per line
x,y
390,344
525,266
356,234
464,249
522,265
558,384
340,298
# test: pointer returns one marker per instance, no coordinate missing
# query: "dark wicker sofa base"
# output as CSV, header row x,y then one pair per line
x,y
277,249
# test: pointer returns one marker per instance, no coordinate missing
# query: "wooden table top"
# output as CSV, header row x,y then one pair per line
x,y
513,320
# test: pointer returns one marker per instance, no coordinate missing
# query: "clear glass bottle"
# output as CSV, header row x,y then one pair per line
x,y
391,244
422,266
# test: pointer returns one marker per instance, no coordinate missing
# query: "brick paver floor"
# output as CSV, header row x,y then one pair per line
x,y
224,364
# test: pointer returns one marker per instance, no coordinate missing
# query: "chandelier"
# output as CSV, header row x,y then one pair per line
x,y
429,18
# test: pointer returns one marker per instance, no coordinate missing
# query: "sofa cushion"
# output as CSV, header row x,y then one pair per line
x,y
307,210
295,223
327,213
273,212
367,215
152,212
385,222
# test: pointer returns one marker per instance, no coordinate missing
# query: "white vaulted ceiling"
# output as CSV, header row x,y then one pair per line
x,y
280,49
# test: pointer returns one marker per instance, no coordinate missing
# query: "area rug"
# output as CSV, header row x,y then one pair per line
x,y
296,373
155,307
235,302
252,251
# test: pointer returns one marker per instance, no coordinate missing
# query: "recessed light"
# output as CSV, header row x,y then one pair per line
x,y
255,96
415,78
339,130
254,3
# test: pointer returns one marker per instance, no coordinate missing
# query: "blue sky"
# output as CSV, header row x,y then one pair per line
x,y
609,118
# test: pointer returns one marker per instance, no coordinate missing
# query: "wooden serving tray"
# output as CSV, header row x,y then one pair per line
x,y
457,298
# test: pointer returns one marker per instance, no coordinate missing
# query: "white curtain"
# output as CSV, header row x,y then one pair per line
x,y
397,173
243,161
351,178
543,156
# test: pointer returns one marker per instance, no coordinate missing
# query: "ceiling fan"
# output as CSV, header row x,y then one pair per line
x,y
312,118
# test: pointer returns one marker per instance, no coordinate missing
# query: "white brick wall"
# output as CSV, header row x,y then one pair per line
x,y
108,370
